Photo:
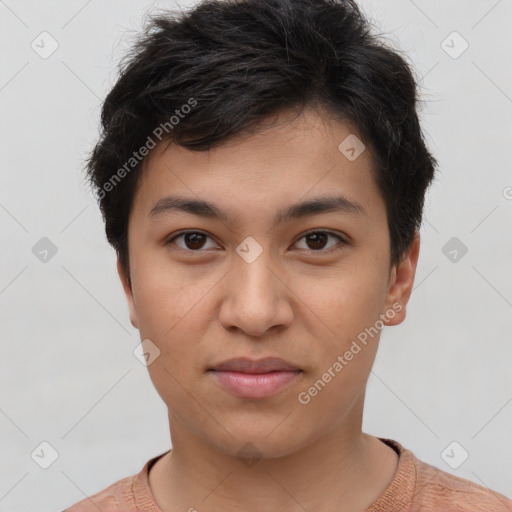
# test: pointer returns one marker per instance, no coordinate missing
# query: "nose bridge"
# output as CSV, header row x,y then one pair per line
x,y
254,300
252,275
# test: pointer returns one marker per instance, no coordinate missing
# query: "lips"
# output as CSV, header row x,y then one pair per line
x,y
246,365
255,379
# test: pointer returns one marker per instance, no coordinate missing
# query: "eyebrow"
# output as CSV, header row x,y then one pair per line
x,y
315,206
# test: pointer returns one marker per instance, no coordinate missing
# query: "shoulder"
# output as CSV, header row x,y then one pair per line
x,y
109,499
436,489
130,493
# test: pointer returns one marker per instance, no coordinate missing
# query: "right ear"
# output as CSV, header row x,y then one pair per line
x,y
128,294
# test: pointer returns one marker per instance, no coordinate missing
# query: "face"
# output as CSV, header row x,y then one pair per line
x,y
264,278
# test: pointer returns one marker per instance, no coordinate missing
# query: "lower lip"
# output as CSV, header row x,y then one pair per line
x,y
255,385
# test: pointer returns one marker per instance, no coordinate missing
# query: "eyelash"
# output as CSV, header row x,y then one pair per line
x,y
336,248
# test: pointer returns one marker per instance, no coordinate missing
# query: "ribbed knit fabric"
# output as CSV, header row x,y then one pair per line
x,y
416,487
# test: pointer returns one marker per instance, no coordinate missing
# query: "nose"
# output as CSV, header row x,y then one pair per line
x,y
256,299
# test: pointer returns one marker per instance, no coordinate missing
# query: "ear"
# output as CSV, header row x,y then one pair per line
x,y
128,293
400,284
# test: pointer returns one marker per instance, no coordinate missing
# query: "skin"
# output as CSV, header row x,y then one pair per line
x,y
298,300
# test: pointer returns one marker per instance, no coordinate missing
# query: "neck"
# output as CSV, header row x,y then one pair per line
x,y
343,471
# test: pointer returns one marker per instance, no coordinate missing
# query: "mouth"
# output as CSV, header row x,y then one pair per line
x,y
254,379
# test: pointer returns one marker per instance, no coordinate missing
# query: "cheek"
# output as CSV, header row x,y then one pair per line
x,y
345,355
167,298
344,313
173,315
169,323
343,304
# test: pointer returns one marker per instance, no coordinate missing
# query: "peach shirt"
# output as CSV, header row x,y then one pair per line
x,y
416,487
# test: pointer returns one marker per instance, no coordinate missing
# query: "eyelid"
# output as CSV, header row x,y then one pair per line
x,y
342,239
168,241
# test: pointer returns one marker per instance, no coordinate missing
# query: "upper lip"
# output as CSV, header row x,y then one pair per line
x,y
246,365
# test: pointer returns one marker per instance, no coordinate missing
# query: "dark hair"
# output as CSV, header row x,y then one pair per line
x,y
227,65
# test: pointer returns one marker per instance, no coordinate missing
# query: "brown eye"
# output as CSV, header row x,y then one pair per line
x,y
318,240
192,241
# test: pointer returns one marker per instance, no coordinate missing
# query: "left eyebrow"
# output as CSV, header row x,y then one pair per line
x,y
302,209
316,206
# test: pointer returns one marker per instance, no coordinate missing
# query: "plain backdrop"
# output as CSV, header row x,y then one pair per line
x,y
68,375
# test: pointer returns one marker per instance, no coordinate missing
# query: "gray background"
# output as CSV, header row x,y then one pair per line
x,y
67,372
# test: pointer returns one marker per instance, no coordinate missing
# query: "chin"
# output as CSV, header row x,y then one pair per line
x,y
254,444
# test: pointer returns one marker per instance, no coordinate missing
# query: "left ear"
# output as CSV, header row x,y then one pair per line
x,y
400,284
128,294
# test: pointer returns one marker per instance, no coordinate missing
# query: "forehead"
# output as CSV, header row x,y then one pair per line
x,y
286,159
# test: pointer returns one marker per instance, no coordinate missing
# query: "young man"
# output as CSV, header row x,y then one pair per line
x,y
261,172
